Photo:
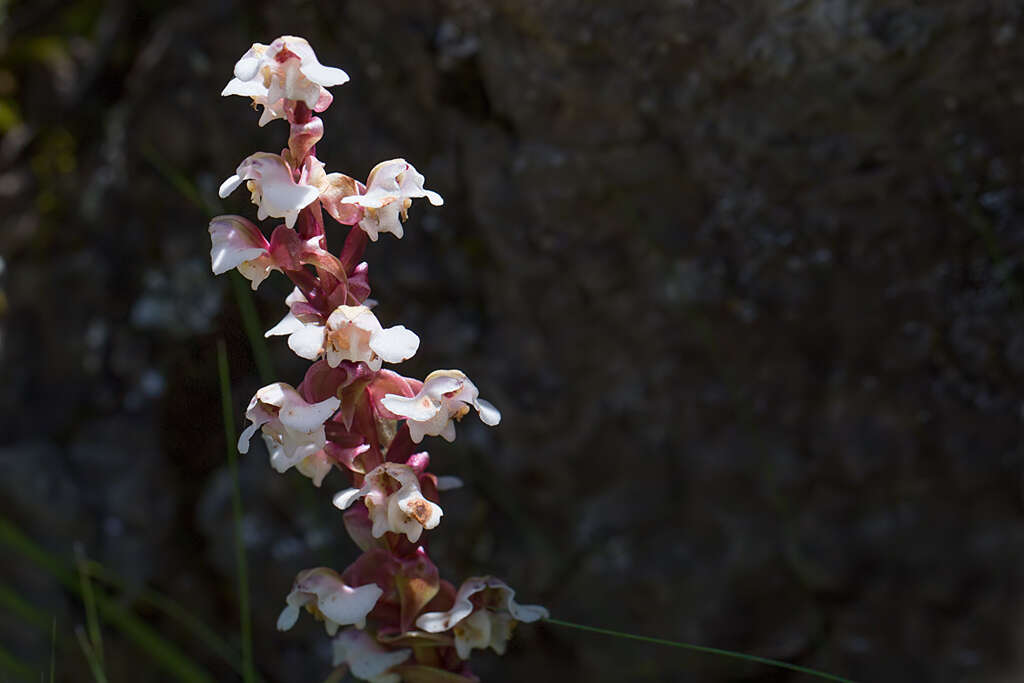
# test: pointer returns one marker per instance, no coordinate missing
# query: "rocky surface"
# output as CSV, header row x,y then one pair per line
x,y
744,278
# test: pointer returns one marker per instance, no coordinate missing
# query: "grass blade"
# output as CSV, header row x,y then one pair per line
x,y
95,665
163,652
22,608
53,650
239,285
704,649
92,619
252,326
248,667
14,666
166,605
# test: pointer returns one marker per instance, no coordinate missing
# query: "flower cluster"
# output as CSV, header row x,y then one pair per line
x,y
389,613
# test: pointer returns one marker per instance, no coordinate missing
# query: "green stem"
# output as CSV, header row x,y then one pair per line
x,y
243,297
248,667
704,649
252,326
92,619
53,650
95,665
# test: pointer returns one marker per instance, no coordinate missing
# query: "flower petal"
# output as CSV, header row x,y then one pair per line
x,y
435,622
441,382
308,341
307,417
489,415
395,344
366,658
245,437
249,88
229,186
417,408
233,241
344,499
289,615
448,483
288,325
347,605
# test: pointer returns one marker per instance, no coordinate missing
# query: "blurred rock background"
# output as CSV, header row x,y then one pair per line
x,y
745,279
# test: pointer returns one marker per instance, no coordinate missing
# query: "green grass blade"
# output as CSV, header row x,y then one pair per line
x,y
53,650
248,667
14,666
164,604
92,619
163,652
176,178
239,285
252,326
704,649
22,608
95,665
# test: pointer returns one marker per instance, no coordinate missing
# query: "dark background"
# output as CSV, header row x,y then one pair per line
x,y
744,278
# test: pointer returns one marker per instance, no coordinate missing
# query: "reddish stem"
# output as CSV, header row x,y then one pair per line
x,y
355,247
310,223
310,288
300,114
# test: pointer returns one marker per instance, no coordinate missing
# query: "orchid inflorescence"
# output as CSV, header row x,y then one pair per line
x,y
390,615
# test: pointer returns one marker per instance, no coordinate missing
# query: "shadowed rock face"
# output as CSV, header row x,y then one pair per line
x,y
744,279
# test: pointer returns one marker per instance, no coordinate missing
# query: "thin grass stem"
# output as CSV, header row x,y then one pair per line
x,y
248,667
252,326
95,665
243,297
704,649
92,619
53,650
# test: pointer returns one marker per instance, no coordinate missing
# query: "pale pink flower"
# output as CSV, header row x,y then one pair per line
x,y
446,396
237,243
395,502
274,190
287,69
351,333
483,615
390,189
366,658
292,428
323,593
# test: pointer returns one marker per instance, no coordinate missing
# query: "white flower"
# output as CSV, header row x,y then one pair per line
x,y
351,333
287,69
306,334
486,621
390,189
367,659
292,428
395,502
326,596
446,396
237,243
273,189
315,466
354,333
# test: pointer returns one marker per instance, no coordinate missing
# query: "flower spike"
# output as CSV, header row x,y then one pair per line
x,y
391,616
